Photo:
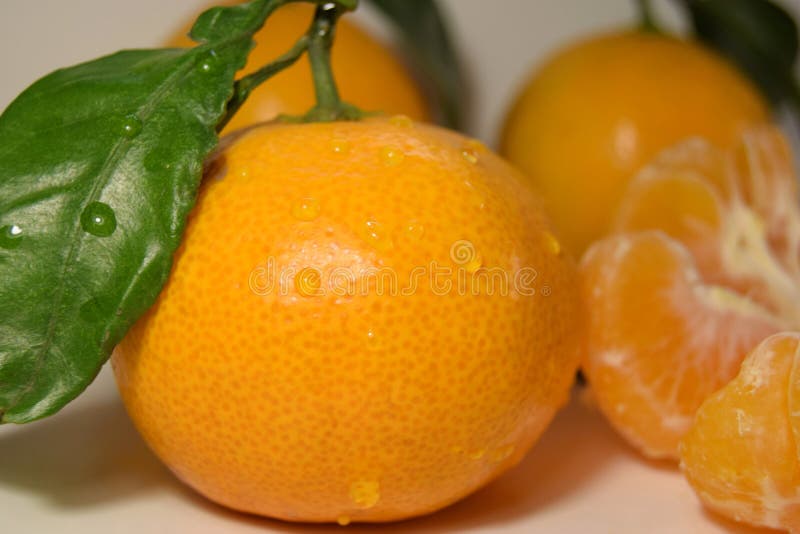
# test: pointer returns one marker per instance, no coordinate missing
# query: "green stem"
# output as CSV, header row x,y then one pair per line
x,y
243,87
647,17
317,41
319,54
320,36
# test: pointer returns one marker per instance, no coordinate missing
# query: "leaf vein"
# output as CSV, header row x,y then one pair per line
x,y
77,240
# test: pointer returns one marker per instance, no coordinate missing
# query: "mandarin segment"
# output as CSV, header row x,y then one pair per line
x,y
736,210
679,195
660,340
355,397
702,266
741,454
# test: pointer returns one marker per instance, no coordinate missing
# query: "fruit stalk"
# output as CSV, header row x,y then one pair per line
x,y
317,42
329,105
245,86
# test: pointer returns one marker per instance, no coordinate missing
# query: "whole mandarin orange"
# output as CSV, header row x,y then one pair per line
x,y
366,321
599,110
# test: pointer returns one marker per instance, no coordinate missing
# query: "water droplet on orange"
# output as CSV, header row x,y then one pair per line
x,y
343,520
475,263
500,454
413,230
475,146
476,196
308,282
340,146
552,243
477,454
401,121
306,209
392,156
376,235
374,341
365,493
471,150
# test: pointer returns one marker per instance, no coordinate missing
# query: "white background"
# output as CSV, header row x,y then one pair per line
x,y
85,470
500,40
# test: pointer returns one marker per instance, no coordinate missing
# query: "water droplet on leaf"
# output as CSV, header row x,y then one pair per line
x,y
208,63
99,219
131,126
10,236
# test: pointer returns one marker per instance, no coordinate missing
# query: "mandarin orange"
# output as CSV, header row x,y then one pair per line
x,y
741,455
599,110
703,266
366,321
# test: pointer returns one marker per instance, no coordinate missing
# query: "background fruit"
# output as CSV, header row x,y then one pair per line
x,y
379,406
368,74
741,455
598,111
702,267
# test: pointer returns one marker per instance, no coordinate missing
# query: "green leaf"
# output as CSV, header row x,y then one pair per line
x,y
427,41
758,35
99,168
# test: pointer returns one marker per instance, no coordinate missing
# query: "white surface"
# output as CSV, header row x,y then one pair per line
x,y
85,470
